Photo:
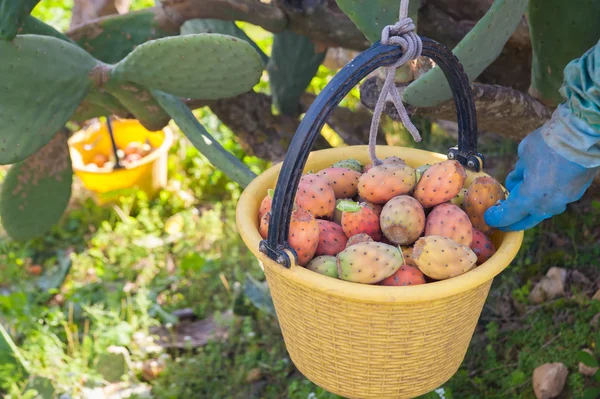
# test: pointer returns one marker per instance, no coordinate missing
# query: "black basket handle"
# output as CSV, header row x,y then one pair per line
x,y
376,56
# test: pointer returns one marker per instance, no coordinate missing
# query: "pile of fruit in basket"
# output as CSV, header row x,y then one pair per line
x,y
129,155
390,224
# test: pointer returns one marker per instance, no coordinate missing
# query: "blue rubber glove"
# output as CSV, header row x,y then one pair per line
x,y
558,161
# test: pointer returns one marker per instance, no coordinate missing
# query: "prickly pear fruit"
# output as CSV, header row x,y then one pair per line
x,y
332,239
384,182
440,183
358,238
450,221
303,235
263,228
406,275
441,257
344,181
316,196
460,198
420,170
350,164
368,262
483,193
360,218
482,246
265,205
386,161
337,214
325,265
402,220
408,257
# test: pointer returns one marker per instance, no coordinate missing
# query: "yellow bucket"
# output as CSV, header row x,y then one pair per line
x,y
367,341
149,174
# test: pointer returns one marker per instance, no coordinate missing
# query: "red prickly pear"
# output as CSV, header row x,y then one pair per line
x,y
450,221
384,182
441,257
440,183
386,161
265,205
408,257
332,239
406,275
303,235
402,220
360,218
482,246
344,181
350,164
483,193
325,265
316,196
368,262
358,238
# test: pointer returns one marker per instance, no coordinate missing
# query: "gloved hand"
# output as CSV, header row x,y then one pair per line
x,y
558,161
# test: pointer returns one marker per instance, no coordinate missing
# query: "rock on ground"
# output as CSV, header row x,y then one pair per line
x,y
549,380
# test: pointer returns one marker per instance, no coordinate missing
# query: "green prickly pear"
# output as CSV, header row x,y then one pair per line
x,y
441,257
344,181
325,265
482,246
406,275
440,183
360,218
483,193
316,195
382,183
350,163
332,239
358,238
337,214
368,262
450,221
402,220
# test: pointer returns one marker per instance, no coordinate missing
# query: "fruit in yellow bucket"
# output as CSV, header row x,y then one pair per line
x,y
391,243
99,160
131,154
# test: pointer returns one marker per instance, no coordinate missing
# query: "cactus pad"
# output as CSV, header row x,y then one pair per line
x,y
140,103
36,191
203,141
371,16
33,26
112,38
99,103
12,15
202,66
478,49
294,61
560,32
44,80
220,26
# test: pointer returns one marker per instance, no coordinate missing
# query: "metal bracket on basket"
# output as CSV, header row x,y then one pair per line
x,y
378,55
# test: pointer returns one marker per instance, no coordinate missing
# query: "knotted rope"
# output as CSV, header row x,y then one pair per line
x,y
402,34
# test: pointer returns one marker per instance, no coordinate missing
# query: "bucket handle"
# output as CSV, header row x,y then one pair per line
x,y
378,55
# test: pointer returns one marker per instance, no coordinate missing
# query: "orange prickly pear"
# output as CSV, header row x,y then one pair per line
x,y
450,221
483,193
440,183
265,205
406,275
358,238
360,218
344,181
316,195
384,182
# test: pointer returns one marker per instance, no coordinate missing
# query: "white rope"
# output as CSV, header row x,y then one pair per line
x,y
402,34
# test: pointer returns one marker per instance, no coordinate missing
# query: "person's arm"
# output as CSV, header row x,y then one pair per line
x,y
557,162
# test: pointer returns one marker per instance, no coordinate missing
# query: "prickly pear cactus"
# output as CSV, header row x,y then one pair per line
x,y
99,103
294,62
373,15
33,26
203,66
560,32
111,39
478,49
220,26
36,192
203,141
12,15
36,102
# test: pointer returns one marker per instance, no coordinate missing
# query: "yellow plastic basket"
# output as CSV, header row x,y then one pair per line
x,y
369,341
148,175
